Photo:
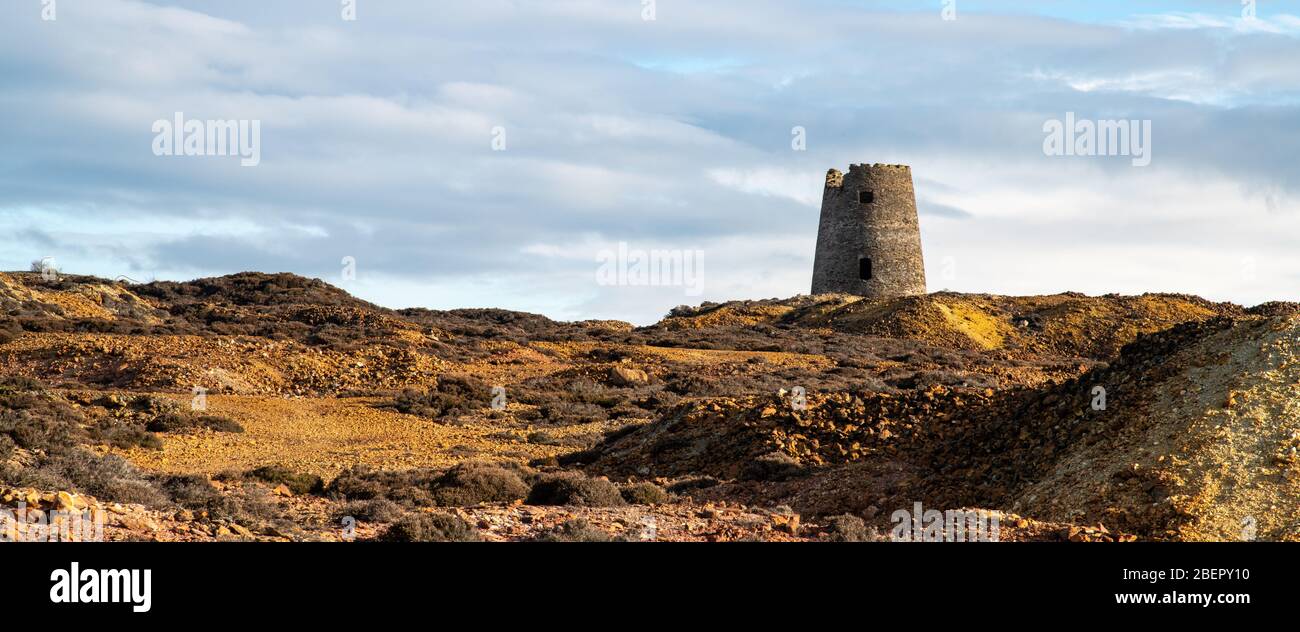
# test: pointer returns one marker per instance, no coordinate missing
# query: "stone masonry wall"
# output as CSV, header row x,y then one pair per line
x,y
886,230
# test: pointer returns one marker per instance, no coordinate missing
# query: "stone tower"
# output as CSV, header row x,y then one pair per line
x,y
869,239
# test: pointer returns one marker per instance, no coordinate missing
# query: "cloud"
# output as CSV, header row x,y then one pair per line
x,y
942,210
800,186
378,143
1281,23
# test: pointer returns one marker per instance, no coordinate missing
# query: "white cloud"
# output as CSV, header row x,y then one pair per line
x,y
802,186
376,144
1263,22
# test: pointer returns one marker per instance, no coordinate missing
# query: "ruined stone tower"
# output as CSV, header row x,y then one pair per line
x,y
869,239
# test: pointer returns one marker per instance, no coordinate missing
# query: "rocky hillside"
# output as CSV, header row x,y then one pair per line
x,y
1070,325
262,406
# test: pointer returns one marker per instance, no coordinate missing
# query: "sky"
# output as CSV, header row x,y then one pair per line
x,y
496,153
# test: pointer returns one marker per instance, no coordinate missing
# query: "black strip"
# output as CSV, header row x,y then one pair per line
x,y
528,581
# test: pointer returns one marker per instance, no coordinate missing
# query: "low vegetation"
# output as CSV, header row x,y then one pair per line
x,y
296,482
454,395
837,406
430,527
574,489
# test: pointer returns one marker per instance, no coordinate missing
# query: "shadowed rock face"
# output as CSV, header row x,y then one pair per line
x,y
869,238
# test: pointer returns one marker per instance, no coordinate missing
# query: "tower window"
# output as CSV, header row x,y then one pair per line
x,y
866,197
864,268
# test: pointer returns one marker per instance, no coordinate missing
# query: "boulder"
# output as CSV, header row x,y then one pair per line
x,y
627,376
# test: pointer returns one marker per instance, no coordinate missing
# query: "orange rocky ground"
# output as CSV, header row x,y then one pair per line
x,y
773,420
323,436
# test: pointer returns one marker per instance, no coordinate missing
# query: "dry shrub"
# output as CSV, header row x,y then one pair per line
x,y
581,441
773,466
378,510
9,330
454,395
408,488
848,528
45,425
122,433
108,478
179,422
575,530
645,493
691,484
431,527
574,488
466,484
297,482
251,506
475,483
35,419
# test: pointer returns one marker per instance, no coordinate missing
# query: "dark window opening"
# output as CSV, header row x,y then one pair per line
x,y
864,268
866,197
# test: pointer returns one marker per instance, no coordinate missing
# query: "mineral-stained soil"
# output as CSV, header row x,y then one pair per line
x,y
258,406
